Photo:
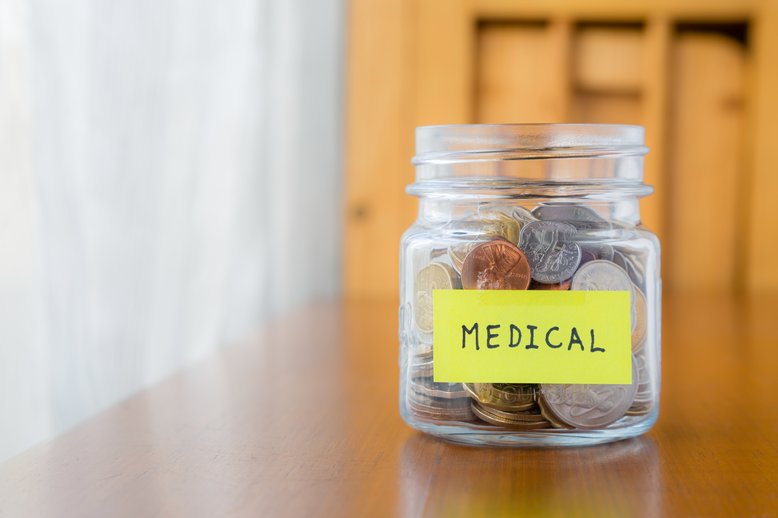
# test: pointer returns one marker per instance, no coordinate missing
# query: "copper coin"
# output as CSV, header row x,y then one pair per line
x,y
496,265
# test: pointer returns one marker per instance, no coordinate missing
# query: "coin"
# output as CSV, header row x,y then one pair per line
x,y
552,255
640,326
458,253
508,226
496,265
422,370
595,251
439,409
522,215
602,275
644,396
518,420
427,387
587,255
434,276
589,407
632,265
582,218
510,397
422,353
550,416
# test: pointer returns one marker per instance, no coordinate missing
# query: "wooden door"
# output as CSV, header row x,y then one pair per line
x,y
698,75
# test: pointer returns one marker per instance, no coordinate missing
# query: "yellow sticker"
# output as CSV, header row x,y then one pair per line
x,y
526,336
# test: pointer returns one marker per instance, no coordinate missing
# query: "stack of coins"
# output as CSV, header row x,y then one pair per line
x,y
553,247
509,405
435,401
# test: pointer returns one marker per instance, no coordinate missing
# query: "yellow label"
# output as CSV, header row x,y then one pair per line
x,y
532,336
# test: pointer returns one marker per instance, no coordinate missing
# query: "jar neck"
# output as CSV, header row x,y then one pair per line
x,y
442,209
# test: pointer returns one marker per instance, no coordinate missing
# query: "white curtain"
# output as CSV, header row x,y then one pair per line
x,y
169,178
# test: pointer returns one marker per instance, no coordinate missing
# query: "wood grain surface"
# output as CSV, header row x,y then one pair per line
x,y
303,421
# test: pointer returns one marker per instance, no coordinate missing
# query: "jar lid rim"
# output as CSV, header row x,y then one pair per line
x,y
477,142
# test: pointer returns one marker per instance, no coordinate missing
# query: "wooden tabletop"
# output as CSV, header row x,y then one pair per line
x,y
303,421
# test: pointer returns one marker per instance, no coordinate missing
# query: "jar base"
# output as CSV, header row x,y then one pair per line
x,y
481,436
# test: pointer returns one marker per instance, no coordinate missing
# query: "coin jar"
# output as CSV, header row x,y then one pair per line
x,y
529,289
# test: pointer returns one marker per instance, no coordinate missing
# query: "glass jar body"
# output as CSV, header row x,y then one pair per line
x,y
599,219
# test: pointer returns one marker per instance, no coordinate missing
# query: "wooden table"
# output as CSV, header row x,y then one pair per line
x,y
303,421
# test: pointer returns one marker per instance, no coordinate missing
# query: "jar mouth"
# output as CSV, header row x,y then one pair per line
x,y
467,143
528,160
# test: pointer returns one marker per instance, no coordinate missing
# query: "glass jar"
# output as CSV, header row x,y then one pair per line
x,y
549,215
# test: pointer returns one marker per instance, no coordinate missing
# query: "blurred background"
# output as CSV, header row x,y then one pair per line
x,y
173,174
170,177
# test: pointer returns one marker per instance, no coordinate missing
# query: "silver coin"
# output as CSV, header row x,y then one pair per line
x,y
522,215
632,264
552,255
601,275
582,218
590,407
605,276
599,250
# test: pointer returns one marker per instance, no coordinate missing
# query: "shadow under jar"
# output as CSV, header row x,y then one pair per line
x,y
548,215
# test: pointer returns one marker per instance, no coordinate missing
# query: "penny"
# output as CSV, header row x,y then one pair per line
x,y
510,397
641,319
496,265
520,421
434,276
582,218
457,253
551,253
590,407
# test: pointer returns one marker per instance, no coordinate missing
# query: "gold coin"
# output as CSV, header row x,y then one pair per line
x,y
510,397
639,409
641,319
434,276
518,421
458,253
507,226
